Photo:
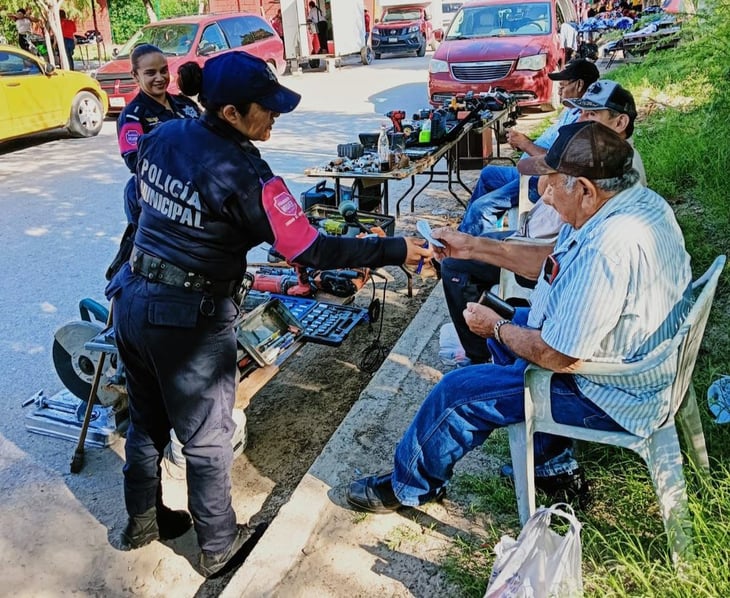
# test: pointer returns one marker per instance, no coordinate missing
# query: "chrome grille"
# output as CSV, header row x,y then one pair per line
x,y
392,31
481,71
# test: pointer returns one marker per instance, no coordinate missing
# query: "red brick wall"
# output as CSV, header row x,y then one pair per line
x,y
255,6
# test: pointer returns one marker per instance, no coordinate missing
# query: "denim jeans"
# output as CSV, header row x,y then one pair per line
x,y
497,190
492,177
464,281
461,412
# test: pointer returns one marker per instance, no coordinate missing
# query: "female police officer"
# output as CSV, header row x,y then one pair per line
x,y
206,198
150,107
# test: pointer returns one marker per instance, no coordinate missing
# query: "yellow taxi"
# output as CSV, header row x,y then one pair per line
x,y
35,96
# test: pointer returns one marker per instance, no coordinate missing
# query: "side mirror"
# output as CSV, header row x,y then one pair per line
x,y
439,35
115,52
48,68
206,48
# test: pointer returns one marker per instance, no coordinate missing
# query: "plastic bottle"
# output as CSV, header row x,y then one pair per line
x,y
425,135
383,146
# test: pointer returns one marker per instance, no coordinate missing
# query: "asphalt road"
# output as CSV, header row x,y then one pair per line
x,y
61,201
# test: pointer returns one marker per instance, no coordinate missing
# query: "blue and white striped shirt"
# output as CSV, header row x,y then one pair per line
x,y
618,294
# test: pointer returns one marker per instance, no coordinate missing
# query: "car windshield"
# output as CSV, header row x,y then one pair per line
x,y
501,20
172,39
406,14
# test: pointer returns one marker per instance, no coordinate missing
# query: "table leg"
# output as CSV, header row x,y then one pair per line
x,y
402,197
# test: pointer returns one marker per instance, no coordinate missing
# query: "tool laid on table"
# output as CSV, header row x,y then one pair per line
x,y
293,281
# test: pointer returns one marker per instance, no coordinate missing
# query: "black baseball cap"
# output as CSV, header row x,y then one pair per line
x,y
580,68
583,149
238,77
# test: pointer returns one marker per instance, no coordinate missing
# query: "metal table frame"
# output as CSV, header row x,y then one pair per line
x,y
425,166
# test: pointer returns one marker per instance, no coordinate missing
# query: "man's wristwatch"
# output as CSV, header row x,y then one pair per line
x,y
497,327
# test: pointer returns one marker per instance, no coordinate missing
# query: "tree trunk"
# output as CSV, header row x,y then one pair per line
x,y
53,20
202,7
151,14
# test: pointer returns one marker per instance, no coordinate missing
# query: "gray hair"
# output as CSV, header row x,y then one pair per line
x,y
612,185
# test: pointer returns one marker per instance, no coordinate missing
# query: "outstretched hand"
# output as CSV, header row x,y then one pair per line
x,y
457,245
418,258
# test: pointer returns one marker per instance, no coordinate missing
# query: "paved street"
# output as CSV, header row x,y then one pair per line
x,y
62,217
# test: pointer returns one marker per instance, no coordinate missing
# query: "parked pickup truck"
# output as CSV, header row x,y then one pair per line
x,y
407,27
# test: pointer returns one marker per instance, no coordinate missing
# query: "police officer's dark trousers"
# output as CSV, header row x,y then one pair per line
x,y
181,373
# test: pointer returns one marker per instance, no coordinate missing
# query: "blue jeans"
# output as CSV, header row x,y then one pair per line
x,y
496,191
492,177
461,412
69,45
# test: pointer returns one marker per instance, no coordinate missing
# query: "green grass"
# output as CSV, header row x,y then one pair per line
x,y
683,135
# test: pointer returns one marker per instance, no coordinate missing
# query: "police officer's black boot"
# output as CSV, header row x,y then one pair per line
x,y
141,530
172,524
217,563
157,523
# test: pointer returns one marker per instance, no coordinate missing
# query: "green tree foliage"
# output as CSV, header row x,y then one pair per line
x,y
127,16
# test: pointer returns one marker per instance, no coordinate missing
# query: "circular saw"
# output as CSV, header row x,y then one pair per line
x,y
76,364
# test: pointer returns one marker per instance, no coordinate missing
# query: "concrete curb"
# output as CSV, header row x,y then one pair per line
x,y
367,435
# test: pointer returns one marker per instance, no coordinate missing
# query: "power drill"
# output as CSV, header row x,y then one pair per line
x,y
396,116
283,281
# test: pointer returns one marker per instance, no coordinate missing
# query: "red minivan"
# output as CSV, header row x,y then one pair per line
x,y
195,38
511,44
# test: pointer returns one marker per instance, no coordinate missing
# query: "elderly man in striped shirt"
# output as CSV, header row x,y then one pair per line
x,y
614,287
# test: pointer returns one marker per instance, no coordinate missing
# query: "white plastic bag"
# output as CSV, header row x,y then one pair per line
x,y
540,563
450,350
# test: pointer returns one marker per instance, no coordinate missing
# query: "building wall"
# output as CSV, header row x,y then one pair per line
x,y
266,7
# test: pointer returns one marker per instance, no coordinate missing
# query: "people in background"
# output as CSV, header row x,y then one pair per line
x,y
497,189
278,24
367,26
150,107
68,30
24,26
318,21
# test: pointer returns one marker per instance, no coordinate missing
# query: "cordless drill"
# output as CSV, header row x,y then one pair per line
x,y
396,116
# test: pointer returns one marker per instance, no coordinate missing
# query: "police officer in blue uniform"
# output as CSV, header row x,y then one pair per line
x,y
150,107
206,198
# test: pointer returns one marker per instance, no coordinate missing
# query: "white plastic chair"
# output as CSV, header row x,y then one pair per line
x,y
661,450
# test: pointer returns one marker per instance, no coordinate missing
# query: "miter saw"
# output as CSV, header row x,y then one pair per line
x,y
77,348
93,406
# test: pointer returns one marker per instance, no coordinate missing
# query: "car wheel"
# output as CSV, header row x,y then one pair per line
x,y
421,49
366,55
87,115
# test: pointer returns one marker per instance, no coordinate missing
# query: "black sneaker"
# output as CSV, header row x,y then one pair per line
x,y
217,563
564,487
